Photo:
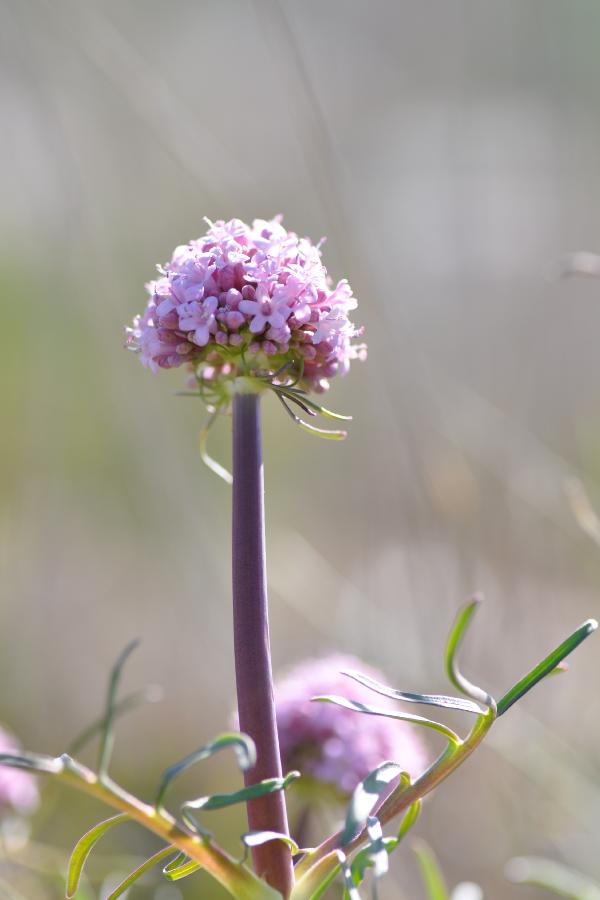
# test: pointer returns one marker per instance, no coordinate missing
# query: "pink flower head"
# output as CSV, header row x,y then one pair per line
x,y
335,745
18,789
259,297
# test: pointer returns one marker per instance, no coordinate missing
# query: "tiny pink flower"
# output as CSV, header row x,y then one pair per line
x,y
266,310
198,318
247,294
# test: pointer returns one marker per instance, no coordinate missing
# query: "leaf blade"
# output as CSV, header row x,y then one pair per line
x,y
84,847
220,801
453,643
33,762
430,872
180,867
141,870
440,700
546,666
242,744
448,733
365,796
107,736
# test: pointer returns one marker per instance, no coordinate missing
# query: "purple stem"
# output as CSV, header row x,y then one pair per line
x,y
256,705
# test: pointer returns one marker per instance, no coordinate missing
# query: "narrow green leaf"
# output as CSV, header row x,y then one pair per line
x,y
410,817
312,429
35,762
180,867
150,694
107,734
362,861
428,699
546,666
298,396
553,877
315,881
391,714
363,858
365,796
455,638
83,849
242,744
378,852
141,870
350,889
430,872
220,801
258,838
212,464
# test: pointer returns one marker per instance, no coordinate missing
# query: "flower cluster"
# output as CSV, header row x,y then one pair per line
x,y
248,300
333,745
18,790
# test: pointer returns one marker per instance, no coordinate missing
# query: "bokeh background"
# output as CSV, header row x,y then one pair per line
x,y
450,152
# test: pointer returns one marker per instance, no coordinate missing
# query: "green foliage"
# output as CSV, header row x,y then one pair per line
x,y
257,838
361,846
242,745
220,801
84,847
107,734
355,706
141,870
365,796
547,666
431,874
427,699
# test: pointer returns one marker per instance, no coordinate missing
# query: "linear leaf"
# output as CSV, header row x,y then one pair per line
x,y
350,889
430,872
455,638
220,801
150,694
206,458
365,796
107,734
141,870
180,867
258,838
312,429
429,699
390,714
378,853
546,666
83,848
410,817
242,744
300,396
363,858
34,762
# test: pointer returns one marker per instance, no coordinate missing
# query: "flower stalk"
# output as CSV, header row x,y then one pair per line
x,y
256,705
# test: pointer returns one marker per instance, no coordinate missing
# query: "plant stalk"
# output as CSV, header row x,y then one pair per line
x,y
256,704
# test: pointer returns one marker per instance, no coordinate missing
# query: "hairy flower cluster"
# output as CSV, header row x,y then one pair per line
x,y
247,300
333,745
18,790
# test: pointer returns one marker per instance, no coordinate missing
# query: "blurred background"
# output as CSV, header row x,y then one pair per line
x,y
449,151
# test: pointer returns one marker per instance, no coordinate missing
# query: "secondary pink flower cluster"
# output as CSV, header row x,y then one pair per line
x,y
259,290
335,745
18,790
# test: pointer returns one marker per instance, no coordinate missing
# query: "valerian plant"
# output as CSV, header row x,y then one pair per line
x,y
251,311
